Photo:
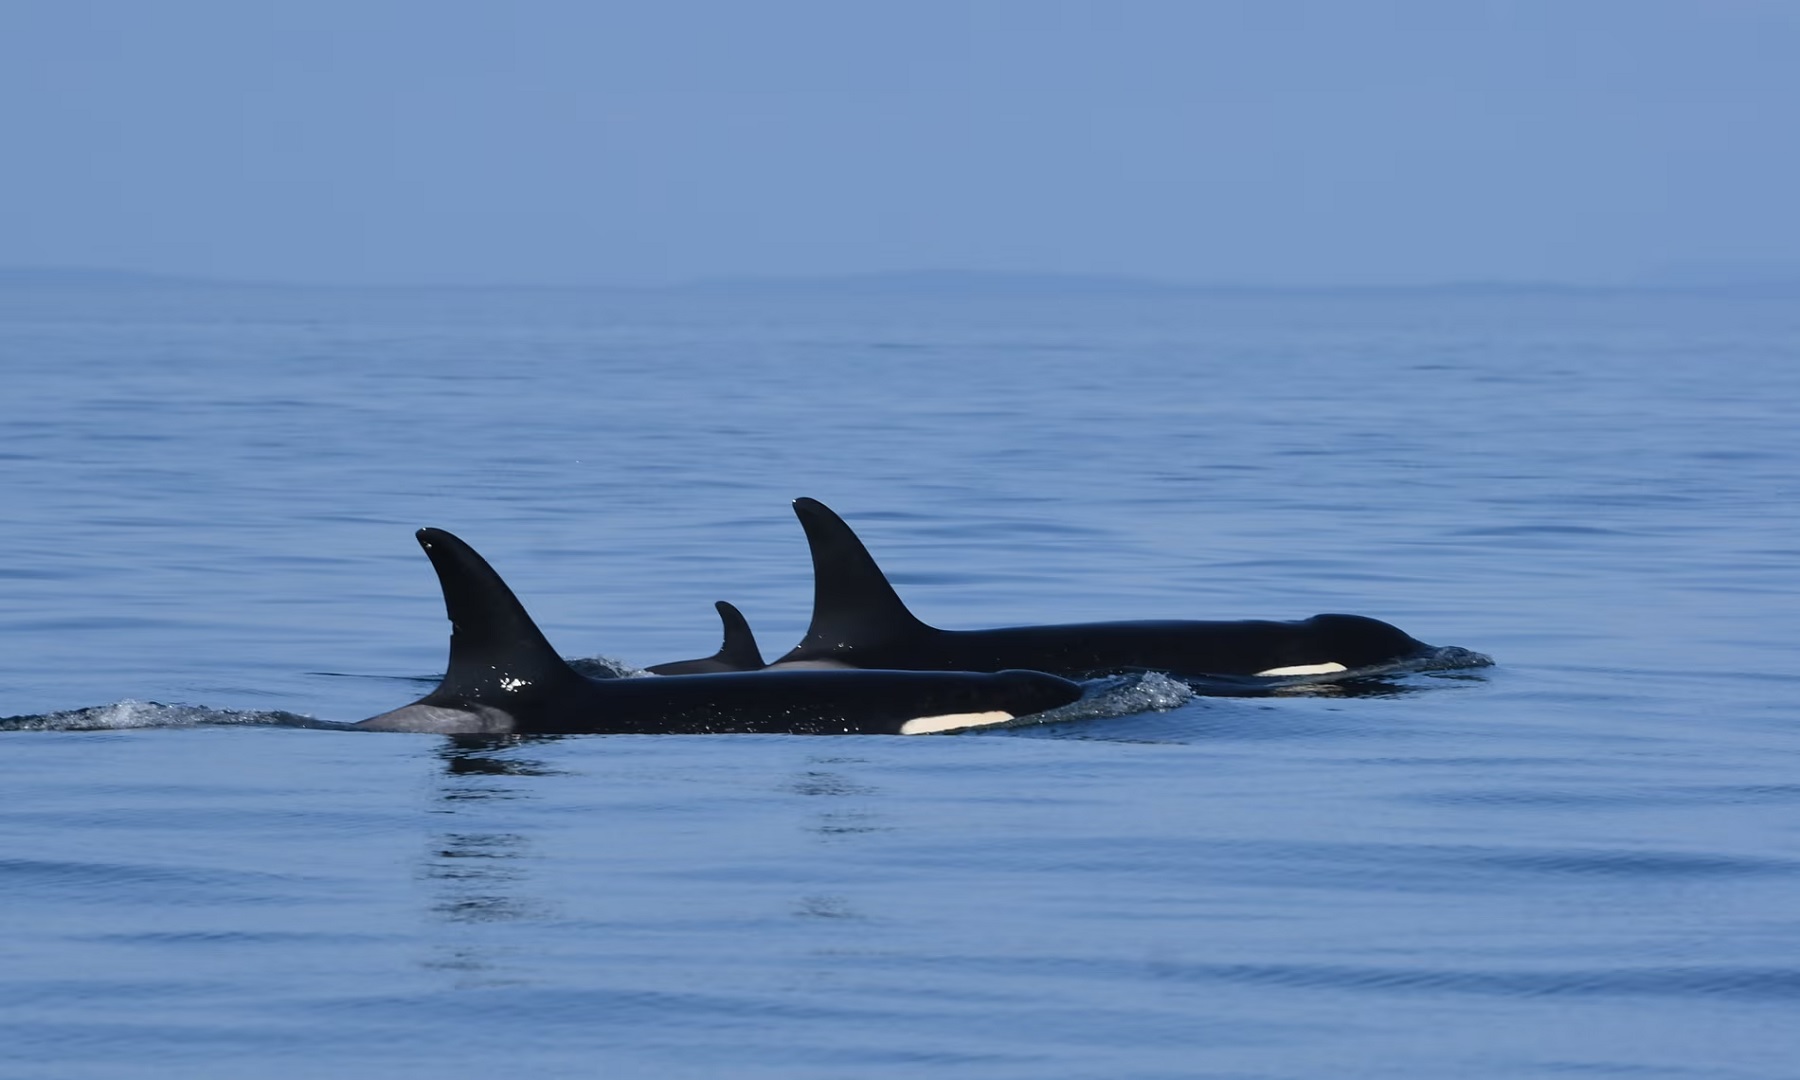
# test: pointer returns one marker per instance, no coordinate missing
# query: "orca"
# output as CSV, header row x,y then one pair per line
x,y
503,678
859,620
737,653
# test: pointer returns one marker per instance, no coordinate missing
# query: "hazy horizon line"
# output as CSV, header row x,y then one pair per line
x,y
935,280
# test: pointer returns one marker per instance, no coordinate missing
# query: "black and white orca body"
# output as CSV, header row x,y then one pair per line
x,y
859,620
504,678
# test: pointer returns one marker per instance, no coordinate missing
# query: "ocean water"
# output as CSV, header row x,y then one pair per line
x,y
1582,861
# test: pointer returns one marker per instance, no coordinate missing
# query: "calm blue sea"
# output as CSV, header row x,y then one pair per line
x,y
1583,861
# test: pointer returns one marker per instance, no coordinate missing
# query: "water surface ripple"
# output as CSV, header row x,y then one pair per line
x,y
1581,861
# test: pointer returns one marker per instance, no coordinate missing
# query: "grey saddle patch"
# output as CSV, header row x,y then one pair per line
x,y
443,720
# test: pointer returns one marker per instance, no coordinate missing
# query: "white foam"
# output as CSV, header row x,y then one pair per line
x,y
128,715
1121,695
931,725
603,667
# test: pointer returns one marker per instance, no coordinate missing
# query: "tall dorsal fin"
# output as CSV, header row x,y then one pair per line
x,y
496,651
853,604
737,653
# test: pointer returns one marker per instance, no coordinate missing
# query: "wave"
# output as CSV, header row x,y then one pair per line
x,y
1696,982
1121,695
128,714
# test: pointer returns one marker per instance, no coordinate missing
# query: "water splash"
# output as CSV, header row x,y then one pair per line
x,y
128,714
604,667
1120,695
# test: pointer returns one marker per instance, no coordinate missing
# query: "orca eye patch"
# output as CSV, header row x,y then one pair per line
x,y
931,725
1328,668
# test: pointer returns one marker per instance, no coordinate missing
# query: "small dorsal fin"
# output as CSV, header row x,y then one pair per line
x,y
496,651
853,604
737,653
739,648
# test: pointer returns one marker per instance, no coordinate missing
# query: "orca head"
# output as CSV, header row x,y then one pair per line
x,y
1357,641
501,669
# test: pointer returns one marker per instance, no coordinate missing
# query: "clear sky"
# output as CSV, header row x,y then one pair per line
x,y
544,141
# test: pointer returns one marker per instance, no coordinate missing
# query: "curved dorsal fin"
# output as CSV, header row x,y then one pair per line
x,y
737,653
739,648
853,604
496,651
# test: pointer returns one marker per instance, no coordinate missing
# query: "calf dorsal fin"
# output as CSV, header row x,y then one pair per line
x,y
737,653
738,650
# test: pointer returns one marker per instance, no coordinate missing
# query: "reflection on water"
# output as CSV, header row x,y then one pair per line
x,y
826,907
844,816
836,823
482,755
833,820
483,864
478,873
1368,686
824,782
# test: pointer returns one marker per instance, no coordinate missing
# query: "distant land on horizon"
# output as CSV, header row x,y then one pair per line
x,y
1702,278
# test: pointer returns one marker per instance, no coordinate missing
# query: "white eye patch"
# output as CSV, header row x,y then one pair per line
x,y
1304,669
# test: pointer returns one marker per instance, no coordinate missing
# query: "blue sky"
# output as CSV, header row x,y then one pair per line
x,y
547,142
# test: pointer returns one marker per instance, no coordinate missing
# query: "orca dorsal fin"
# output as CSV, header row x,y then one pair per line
x,y
496,652
853,603
737,653
739,650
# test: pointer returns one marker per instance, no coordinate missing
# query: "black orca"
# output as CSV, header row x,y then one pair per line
x,y
859,620
738,653
504,678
